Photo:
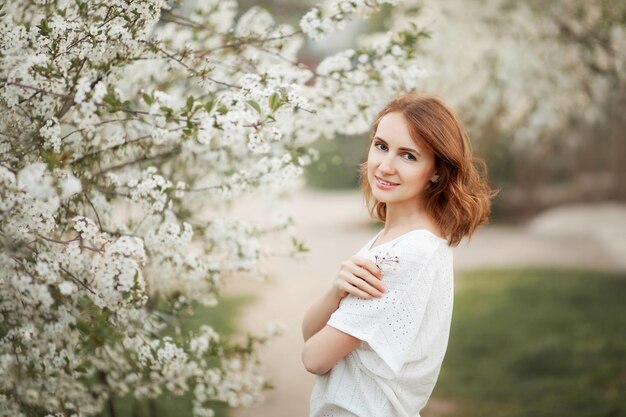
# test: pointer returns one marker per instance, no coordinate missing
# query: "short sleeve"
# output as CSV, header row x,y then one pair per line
x,y
389,325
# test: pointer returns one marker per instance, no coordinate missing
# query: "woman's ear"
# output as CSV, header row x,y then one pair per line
x,y
435,177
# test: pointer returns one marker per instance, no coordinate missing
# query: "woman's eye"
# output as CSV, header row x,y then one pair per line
x,y
383,147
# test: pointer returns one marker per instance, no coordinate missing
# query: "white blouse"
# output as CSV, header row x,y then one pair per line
x,y
404,333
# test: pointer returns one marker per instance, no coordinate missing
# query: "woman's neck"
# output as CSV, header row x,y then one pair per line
x,y
400,219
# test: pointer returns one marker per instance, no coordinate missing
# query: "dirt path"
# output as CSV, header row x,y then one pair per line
x,y
335,225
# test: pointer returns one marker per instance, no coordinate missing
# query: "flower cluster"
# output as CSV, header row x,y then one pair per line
x,y
387,261
123,146
333,15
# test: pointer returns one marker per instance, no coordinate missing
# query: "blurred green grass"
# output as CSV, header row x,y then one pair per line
x,y
536,342
223,318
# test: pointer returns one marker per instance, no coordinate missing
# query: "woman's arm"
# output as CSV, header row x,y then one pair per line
x,y
358,276
320,311
325,348
325,345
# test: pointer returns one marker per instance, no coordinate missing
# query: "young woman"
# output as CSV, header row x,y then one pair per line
x,y
376,339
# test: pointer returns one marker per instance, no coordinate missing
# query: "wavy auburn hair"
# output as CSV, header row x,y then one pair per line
x,y
460,200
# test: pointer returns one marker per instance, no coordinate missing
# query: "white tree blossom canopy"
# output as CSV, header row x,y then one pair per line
x,y
530,67
127,132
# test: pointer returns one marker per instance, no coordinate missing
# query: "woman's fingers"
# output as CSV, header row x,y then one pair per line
x,y
351,289
368,277
368,265
364,285
360,277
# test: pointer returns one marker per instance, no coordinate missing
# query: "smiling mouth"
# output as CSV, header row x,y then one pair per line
x,y
382,181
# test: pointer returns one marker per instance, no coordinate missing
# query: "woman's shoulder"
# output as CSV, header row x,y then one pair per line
x,y
428,254
418,253
424,246
415,247
420,241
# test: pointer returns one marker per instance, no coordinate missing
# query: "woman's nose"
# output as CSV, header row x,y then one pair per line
x,y
386,165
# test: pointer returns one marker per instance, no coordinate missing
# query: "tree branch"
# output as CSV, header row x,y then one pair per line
x,y
142,159
190,69
78,281
30,87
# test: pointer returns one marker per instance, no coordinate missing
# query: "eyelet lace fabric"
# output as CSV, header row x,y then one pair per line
x,y
405,333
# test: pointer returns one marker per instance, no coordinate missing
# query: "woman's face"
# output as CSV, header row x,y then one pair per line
x,y
409,169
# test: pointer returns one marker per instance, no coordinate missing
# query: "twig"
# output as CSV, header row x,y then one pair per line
x,y
86,194
30,87
190,69
245,41
142,159
75,279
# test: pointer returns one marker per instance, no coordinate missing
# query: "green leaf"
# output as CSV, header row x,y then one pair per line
x,y
275,102
51,159
148,99
254,105
111,101
44,29
209,106
189,104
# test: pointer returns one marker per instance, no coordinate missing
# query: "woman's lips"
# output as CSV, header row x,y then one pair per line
x,y
382,184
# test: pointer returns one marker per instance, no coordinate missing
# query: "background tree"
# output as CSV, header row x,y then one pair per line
x,y
541,88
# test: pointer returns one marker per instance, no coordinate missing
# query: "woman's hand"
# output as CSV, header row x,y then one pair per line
x,y
360,277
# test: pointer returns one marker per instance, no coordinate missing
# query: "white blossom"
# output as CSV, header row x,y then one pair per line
x,y
51,133
67,288
127,143
256,21
275,328
70,185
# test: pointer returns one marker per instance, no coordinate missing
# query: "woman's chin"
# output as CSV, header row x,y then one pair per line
x,y
381,196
